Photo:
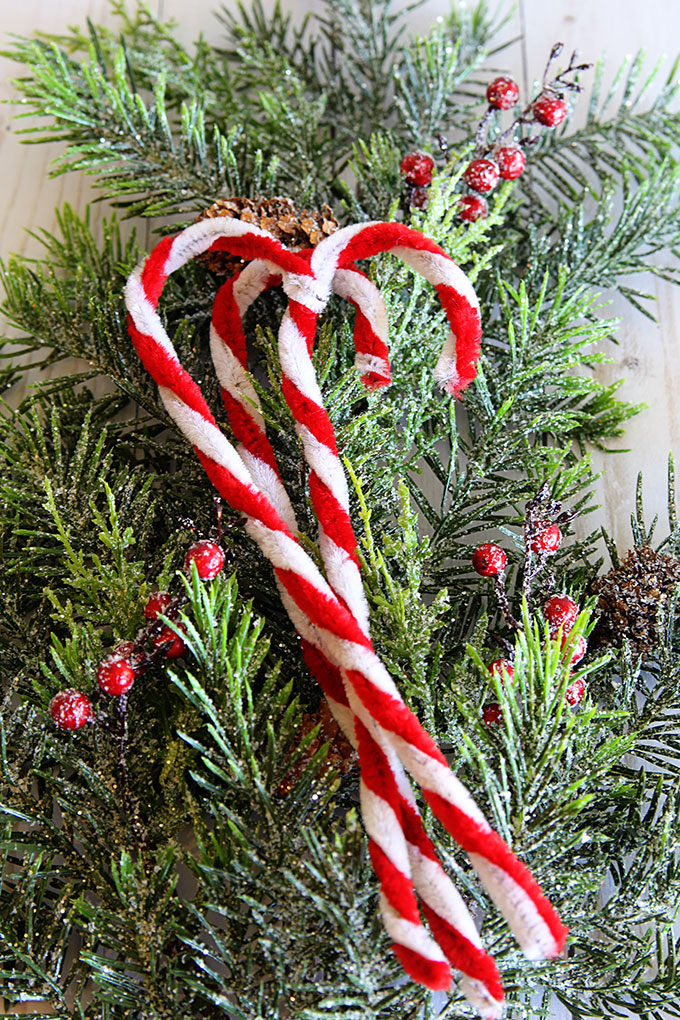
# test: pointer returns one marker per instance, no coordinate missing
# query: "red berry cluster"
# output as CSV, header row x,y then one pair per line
x,y
542,539
504,159
417,168
502,162
561,611
70,709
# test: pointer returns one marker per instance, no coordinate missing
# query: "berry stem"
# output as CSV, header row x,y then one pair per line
x,y
504,602
554,54
554,85
482,130
558,83
443,146
219,509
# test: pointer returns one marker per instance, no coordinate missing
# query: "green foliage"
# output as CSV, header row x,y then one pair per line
x,y
629,130
190,853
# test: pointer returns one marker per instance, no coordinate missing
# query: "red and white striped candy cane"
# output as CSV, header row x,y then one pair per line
x,y
530,916
396,820
370,691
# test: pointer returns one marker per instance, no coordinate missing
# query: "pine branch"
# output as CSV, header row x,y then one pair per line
x,y
620,137
622,237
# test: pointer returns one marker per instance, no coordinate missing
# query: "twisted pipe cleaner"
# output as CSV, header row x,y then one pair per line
x,y
332,621
445,910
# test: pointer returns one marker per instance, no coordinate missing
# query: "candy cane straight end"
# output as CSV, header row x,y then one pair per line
x,y
433,974
478,995
452,373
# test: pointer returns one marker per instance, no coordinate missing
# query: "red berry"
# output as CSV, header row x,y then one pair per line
x,y
549,110
578,650
511,162
115,675
418,198
70,709
547,540
176,647
502,670
560,611
502,93
157,604
489,559
472,207
574,692
132,653
207,556
481,175
492,713
417,168
124,650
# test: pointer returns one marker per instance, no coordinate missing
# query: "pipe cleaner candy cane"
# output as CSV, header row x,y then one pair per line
x,y
443,906
330,616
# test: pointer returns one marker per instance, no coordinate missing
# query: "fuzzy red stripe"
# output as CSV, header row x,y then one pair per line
x,y
324,672
366,340
412,824
433,974
248,433
488,844
376,774
381,237
167,371
373,380
458,949
226,319
153,273
467,328
305,320
243,498
394,716
395,885
465,956
308,413
322,610
258,246
332,516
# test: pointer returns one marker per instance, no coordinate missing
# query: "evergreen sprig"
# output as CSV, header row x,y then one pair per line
x,y
190,853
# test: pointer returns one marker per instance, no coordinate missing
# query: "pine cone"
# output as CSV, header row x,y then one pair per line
x,y
630,596
294,228
341,755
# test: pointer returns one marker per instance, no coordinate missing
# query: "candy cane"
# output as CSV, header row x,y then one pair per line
x,y
395,819
530,916
370,691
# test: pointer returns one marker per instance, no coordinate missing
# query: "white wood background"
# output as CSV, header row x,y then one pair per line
x,y
647,354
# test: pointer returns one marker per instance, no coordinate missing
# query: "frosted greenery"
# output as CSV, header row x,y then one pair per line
x,y
154,866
